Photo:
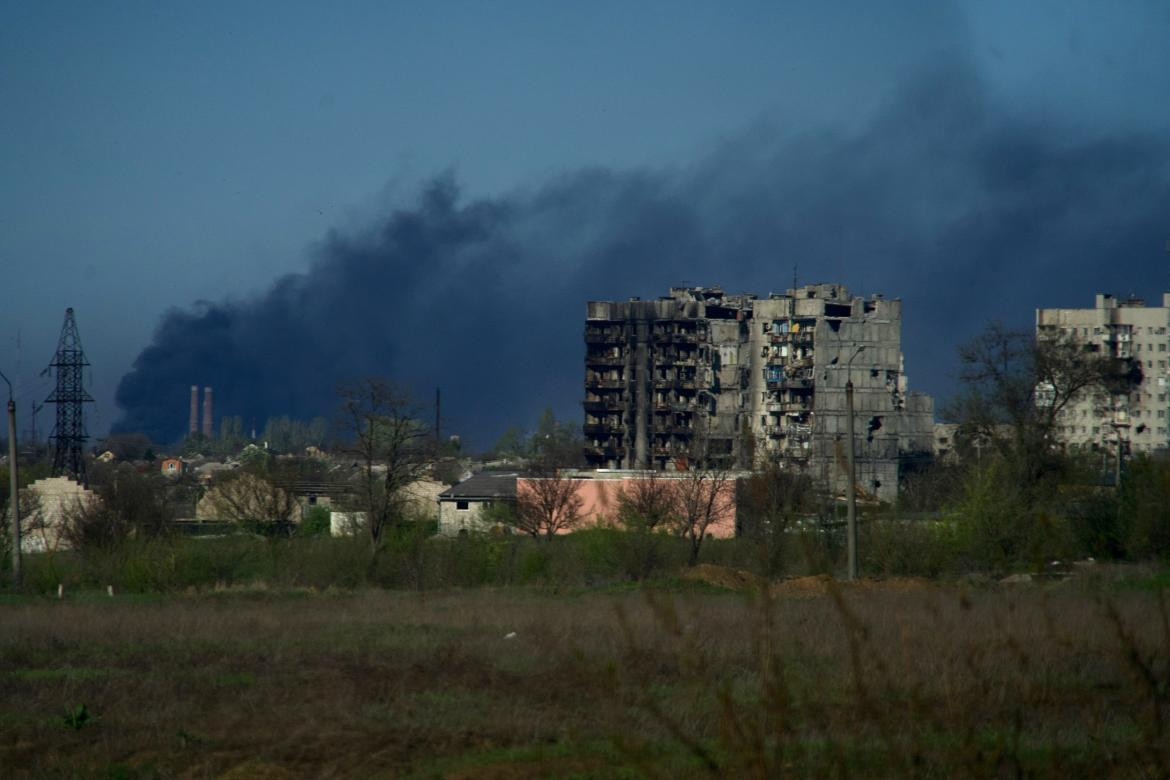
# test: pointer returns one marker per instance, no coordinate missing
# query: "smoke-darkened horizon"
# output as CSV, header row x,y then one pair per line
x,y
965,207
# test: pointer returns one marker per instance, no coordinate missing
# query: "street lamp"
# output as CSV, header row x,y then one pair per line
x,y
1118,426
13,491
851,521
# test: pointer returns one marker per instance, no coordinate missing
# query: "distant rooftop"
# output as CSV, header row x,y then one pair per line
x,y
484,485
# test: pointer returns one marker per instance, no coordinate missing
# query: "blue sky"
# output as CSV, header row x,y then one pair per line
x,y
153,155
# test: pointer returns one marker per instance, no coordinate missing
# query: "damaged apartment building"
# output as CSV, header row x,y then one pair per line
x,y
1136,335
702,378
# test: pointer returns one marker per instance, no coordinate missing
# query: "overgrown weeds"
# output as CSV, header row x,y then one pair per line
x,y
898,680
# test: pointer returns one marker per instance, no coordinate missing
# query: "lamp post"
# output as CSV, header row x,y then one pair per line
x,y
1118,426
13,491
851,518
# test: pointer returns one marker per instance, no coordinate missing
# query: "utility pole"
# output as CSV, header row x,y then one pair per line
x,y
13,486
851,518
35,449
1117,426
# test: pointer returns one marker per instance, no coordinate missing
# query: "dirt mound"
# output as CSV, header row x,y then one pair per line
x,y
803,586
798,587
724,577
898,584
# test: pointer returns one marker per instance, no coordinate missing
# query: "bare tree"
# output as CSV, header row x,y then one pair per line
x,y
648,502
1018,386
646,507
547,502
391,446
703,498
774,499
251,498
129,504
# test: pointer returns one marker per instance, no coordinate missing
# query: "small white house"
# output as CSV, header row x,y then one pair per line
x,y
461,506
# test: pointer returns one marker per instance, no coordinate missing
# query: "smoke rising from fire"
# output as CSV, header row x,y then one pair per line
x,y
964,207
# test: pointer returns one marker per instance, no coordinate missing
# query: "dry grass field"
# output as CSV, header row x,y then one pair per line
x,y
900,678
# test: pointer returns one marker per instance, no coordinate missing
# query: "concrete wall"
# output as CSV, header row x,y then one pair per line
x,y
600,495
45,507
453,520
347,523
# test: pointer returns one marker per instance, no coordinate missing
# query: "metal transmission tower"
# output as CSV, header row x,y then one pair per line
x,y
69,435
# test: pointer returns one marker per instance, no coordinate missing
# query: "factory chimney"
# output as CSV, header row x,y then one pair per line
x,y
193,423
207,413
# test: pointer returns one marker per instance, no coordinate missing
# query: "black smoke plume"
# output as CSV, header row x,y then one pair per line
x,y
964,208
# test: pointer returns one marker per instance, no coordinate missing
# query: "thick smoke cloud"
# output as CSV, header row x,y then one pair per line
x,y
964,208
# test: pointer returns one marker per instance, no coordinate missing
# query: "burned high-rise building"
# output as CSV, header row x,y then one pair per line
x,y
701,377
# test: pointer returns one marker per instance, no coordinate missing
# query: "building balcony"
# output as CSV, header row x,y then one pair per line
x,y
604,405
600,454
603,337
605,360
597,383
787,406
801,337
600,429
673,430
792,452
790,383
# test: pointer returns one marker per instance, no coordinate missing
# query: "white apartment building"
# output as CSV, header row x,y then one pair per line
x,y
1127,329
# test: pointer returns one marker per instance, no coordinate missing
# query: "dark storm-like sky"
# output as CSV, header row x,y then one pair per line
x,y
270,198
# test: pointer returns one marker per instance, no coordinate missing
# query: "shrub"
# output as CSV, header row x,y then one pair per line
x,y
316,522
893,546
1146,509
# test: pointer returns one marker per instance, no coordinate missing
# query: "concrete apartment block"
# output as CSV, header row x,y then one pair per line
x,y
703,378
1126,329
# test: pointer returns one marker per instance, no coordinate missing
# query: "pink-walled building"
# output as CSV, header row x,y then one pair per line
x,y
599,491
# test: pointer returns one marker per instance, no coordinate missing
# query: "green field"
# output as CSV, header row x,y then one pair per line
x,y
897,678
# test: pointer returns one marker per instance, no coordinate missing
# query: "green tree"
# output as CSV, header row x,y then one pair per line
x,y
1017,386
1145,509
1013,500
557,444
512,443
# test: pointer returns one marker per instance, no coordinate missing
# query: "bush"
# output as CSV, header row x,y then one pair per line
x,y
892,546
1145,500
316,522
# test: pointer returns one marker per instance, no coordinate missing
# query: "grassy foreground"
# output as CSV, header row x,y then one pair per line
x,y
898,678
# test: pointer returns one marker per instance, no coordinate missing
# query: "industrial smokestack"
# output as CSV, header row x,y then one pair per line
x,y
193,423
207,412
